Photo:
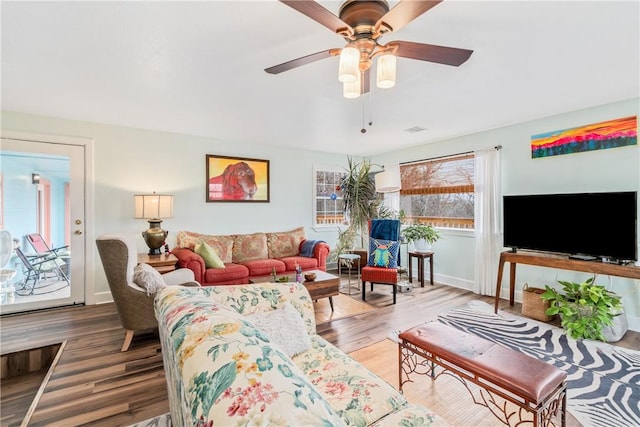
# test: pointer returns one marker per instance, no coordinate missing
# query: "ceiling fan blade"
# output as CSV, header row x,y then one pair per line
x,y
321,15
432,53
403,13
294,63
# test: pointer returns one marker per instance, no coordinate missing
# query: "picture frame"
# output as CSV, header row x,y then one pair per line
x,y
236,179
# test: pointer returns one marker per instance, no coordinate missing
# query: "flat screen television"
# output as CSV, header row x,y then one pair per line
x,y
582,225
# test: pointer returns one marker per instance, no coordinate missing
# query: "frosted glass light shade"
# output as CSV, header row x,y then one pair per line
x,y
153,206
349,68
353,89
388,181
386,71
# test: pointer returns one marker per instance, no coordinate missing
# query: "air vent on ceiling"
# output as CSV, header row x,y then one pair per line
x,y
415,129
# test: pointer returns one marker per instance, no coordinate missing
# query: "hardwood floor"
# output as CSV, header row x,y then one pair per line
x,y
94,384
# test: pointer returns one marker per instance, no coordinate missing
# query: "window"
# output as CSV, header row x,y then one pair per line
x,y
328,209
439,191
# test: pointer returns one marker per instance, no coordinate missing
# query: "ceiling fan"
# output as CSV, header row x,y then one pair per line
x,y
362,23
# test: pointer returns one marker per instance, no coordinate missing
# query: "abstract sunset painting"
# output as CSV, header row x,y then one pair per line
x,y
596,136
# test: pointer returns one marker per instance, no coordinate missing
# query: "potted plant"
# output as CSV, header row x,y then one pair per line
x,y
361,203
587,310
422,236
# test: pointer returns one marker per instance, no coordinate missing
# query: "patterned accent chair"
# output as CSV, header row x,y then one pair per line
x,y
381,229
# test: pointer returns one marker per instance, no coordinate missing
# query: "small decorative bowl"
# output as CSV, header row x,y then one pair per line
x,y
309,277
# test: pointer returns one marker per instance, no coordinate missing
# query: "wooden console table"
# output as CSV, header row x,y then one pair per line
x,y
562,262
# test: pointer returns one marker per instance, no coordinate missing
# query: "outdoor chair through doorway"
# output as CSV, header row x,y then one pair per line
x,y
41,247
39,268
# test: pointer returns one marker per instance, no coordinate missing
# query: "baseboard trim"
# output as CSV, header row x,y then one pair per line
x,y
103,297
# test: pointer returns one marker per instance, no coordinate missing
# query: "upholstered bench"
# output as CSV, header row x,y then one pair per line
x,y
533,385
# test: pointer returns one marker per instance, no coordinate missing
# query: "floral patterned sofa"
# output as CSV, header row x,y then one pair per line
x,y
222,369
250,255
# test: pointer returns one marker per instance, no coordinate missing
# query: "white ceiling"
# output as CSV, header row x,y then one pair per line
x,y
197,68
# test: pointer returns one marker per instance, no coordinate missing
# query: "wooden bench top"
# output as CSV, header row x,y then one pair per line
x,y
516,372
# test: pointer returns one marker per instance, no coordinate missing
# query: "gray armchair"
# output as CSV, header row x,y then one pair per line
x,y
119,257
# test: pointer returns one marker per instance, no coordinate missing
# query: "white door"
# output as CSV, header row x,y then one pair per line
x,y
61,221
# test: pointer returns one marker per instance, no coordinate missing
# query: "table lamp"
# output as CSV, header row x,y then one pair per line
x,y
153,207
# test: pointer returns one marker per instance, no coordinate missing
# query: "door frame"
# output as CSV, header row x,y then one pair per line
x,y
89,226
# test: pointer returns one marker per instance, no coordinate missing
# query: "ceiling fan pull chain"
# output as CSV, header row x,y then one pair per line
x,y
370,110
363,130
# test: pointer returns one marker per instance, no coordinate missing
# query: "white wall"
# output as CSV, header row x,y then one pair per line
x,y
130,161
616,169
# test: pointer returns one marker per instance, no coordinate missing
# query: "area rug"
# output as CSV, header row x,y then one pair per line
x,y
603,381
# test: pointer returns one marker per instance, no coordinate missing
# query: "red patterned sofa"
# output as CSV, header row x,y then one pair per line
x,y
246,256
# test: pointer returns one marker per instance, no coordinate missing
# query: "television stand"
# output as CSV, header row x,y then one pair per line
x,y
562,262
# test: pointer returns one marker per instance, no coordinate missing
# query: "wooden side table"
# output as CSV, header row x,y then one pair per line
x,y
164,263
422,256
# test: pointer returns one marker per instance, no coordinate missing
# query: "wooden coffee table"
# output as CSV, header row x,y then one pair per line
x,y
326,285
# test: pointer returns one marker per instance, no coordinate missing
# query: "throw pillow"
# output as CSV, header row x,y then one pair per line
x,y
187,239
148,278
285,244
383,253
284,327
223,245
249,247
209,255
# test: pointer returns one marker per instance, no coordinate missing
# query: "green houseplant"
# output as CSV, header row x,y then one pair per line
x,y
586,309
416,232
361,203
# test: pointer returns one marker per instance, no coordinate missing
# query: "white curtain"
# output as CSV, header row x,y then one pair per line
x,y
392,201
487,220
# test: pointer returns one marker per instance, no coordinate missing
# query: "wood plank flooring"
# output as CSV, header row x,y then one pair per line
x,y
95,384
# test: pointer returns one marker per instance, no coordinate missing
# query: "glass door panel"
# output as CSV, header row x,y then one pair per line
x,y
43,187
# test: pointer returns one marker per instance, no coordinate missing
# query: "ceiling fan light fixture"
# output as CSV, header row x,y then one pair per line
x,y
352,90
349,69
386,71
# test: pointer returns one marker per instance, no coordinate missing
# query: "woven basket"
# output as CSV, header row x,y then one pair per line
x,y
533,305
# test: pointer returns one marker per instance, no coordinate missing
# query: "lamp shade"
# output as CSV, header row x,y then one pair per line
x,y
153,206
388,181
352,90
349,66
386,71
